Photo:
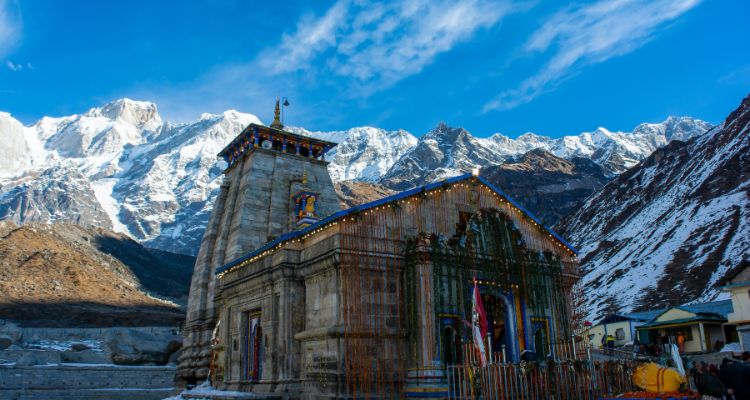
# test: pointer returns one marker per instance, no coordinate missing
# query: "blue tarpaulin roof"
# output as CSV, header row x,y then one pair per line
x,y
398,196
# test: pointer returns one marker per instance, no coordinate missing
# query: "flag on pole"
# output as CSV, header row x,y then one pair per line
x,y
479,325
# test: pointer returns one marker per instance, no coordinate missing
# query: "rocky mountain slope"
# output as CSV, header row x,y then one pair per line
x,y
667,231
548,186
58,193
447,151
353,193
67,275
122,166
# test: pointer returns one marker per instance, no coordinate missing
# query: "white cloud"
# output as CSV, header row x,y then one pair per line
x,y
381,43
13,67
10,27
372,44
587,35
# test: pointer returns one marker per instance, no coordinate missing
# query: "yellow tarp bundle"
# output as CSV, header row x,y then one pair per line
x,y
654,378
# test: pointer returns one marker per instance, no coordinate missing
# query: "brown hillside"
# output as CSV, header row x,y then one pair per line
x,y
67,275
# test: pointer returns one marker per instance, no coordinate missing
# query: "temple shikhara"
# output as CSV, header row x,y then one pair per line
x,y
293,297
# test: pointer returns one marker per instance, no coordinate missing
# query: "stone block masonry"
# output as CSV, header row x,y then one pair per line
x,y
254,206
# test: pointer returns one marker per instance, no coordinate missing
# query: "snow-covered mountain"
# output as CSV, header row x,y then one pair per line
x,y
549,186
441,153
122,165
446,151
668,230
364,153
59,193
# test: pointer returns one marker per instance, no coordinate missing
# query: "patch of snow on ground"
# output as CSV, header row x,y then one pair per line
x,y
63,345
205,389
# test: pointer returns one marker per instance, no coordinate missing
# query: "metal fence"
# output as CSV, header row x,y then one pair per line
x,y
560,381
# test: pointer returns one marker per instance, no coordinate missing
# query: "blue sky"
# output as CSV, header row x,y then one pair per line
x,y
500,66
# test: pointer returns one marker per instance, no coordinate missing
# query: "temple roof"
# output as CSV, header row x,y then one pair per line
x,y
333,218
245,141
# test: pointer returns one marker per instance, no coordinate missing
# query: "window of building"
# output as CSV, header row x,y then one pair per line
x,y
620,334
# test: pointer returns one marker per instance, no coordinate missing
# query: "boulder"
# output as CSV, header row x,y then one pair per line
x,y
5,342
84,357
33,357
10,330
79,347
134,347
174,358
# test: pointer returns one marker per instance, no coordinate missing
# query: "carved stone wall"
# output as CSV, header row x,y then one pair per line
x,y
252,208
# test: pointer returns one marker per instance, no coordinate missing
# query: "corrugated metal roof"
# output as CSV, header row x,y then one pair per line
x,y
398,196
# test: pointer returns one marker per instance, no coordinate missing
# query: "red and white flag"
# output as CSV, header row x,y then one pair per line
x,y
479,325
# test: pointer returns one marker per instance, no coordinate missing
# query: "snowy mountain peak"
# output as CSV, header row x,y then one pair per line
x,y
363,153
142,114
674,128
445,132
157,180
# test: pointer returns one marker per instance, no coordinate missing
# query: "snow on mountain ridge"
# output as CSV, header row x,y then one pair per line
x,y
445,151
21,150
668,230
363,153
157,180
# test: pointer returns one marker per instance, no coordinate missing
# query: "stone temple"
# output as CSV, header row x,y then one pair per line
x,y
294,298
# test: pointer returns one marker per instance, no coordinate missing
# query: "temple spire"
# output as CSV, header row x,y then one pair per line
x,y
276,124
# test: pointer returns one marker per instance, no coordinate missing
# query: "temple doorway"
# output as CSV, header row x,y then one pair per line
x,y
541,337
496,307
252,349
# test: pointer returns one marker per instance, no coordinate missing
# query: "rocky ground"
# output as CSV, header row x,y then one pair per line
x,y
64,275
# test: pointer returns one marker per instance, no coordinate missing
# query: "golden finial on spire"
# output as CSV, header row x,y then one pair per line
x,y
276,124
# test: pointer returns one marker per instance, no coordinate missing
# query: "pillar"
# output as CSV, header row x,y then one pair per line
x,y
427,378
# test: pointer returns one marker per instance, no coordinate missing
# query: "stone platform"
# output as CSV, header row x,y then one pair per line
x,y
85,381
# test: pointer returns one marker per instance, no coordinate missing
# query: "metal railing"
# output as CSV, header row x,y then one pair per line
x,y
571,380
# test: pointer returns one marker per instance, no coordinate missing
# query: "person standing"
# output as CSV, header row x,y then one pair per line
x,y
610,344
681,342
709,385
736,377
